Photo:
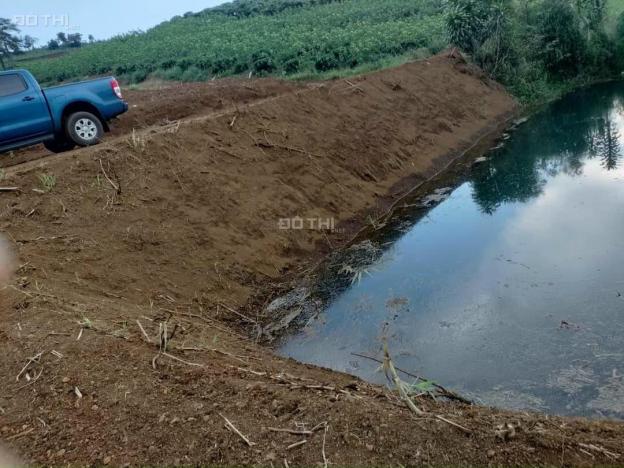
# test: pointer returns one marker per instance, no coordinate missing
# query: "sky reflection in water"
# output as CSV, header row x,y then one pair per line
x,y
511,290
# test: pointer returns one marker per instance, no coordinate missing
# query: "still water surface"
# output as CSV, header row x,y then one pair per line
x,y
511,290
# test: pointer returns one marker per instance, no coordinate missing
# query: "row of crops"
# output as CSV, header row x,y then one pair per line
x,y
307,39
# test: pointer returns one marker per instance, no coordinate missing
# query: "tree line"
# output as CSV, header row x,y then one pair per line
x,y
530,45
12,43
537,48
67,40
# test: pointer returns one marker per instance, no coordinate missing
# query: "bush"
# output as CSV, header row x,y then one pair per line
x,y
601,54
173,73
262,62
563,43
194,73
466,21
138,76
483,29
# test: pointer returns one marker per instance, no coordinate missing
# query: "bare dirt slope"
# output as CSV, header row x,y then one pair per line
x,y
162,103
175,229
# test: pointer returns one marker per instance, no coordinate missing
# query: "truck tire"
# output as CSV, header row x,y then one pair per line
x,y
59,145
84,128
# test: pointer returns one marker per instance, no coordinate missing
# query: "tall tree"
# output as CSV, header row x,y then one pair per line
x,y
9,40
608,144
74,40
29,42
592,14
61,38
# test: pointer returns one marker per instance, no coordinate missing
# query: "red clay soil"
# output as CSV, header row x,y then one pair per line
x,y
174,231
162,103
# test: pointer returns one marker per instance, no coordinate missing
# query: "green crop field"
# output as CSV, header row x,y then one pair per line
x,y
537,48
310,38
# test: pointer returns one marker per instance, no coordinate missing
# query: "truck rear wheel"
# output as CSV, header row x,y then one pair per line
x,y
59,145
84,128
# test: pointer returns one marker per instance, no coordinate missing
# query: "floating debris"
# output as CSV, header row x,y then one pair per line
x,y
438,196
610,396
572,380
293,298
513,400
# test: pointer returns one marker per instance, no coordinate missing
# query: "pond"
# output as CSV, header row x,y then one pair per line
x,y
509,287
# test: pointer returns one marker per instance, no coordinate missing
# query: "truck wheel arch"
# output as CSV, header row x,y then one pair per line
x,y
82,106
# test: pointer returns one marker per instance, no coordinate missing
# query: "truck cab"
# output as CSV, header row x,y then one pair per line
x,y
61,117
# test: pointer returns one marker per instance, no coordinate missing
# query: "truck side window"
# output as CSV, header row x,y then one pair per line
x,y
11,84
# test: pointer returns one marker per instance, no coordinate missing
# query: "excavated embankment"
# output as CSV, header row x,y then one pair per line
x,y
173,230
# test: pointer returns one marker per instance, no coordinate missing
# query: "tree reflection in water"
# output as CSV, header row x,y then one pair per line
x,y
568,133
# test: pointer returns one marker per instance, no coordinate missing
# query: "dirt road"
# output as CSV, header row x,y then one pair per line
x,y
143,261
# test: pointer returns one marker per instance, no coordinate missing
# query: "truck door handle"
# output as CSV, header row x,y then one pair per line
x,y
28,98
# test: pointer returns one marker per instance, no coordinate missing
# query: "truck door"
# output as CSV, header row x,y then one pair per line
x,y
24,113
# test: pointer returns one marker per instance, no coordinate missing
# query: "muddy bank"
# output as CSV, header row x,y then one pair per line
x,y
176,231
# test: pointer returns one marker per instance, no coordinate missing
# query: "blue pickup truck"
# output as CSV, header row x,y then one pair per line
x,y
61,117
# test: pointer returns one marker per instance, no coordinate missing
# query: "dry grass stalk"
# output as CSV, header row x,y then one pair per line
x,y
297,444
147,338
231,426
113,184
325,461
400,385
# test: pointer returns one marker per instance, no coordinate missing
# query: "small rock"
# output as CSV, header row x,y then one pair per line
x,y
60,453
369,447
491,453
106,460
65,379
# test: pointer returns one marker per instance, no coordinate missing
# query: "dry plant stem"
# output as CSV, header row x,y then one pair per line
x,y
21,434
297,444
144,332
175,358
231,426
30,361
596,448
445,392
388,365
113,184
243,316
290,431
325,462
458,426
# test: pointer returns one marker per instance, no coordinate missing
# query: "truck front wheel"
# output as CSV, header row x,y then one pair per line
x,y
84,128
59,145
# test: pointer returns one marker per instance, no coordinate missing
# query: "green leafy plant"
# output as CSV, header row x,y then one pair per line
x,y
47,181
